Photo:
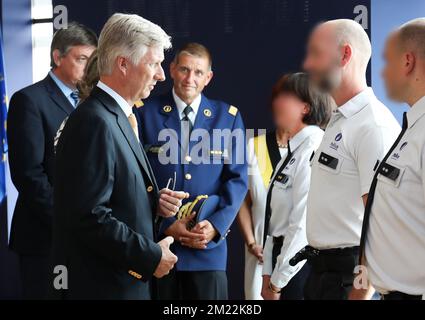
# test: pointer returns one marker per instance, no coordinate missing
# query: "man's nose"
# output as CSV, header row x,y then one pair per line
x,y
160,75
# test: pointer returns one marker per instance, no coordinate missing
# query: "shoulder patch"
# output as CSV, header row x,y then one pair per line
x,y
233,110
138,104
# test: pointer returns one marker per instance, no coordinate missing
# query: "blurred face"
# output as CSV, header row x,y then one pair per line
x,y
288,112
70,67
394,69
323,58
190,74
143,77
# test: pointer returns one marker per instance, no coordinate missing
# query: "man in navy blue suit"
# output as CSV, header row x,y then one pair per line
x,y
35,114
202,143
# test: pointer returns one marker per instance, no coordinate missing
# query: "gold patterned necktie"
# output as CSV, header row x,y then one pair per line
x,y
133,122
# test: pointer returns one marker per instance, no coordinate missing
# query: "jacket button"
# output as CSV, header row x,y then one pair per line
x,y
188,176
149,189
188,158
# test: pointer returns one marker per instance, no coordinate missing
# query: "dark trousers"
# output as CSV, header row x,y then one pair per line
x,y
294,290
332,274
34,271
193,285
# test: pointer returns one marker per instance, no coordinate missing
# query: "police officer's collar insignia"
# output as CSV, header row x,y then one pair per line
x,y
233,110
167,109
207,112
282,178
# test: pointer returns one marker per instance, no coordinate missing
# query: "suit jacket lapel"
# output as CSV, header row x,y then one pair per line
x,y
172,117
125,127
57,95
206,113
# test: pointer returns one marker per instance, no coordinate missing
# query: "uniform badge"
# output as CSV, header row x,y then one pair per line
x,y
207,113
167,109
138,104
233,110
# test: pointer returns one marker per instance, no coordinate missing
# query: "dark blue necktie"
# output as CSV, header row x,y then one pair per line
x,y
186,113
75,97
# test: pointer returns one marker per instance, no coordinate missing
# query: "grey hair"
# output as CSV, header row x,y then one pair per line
x,y
130,36
412,36
351,32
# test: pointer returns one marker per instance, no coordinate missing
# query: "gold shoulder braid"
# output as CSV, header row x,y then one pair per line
x,y
186,210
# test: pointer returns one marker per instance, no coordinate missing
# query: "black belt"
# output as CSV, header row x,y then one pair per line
x,y
335,260
397,295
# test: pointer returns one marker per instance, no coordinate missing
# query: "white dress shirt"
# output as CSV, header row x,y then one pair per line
x,y
126,108
358,135
395,242
181,105
288,206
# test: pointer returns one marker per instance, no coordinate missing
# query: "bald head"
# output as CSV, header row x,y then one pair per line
x,y
338,52
404,55
411,37
346,31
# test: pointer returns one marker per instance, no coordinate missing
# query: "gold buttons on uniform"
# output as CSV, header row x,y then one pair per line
x,y
150,189
188,158
188,176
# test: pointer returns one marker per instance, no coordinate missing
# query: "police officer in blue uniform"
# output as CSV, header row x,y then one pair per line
x,y
197,145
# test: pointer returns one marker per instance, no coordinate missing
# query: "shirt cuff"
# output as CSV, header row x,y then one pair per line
x,y
280,279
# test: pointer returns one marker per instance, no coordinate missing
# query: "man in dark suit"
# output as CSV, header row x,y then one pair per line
x,y
106,197
35,114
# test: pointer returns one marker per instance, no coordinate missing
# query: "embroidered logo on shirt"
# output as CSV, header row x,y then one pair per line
x,y
334,145
403,145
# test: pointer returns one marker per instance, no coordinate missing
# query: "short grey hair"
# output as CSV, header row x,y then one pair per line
x,y
130,36
412,36
351,32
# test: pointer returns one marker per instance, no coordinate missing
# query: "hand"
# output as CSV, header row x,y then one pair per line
x,y
170,202
168,259
360,294
204,228
266,293
257,251
178,230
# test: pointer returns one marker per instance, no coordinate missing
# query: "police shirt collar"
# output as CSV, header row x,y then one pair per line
x,y
180,104
357,103
301,136
416,112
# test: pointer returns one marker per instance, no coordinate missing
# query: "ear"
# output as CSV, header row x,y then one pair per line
x,y
347,53
409,63
306,109
209,77
122,64
57,57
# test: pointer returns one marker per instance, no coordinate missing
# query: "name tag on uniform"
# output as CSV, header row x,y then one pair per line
x,y
282,178
328,160
389,171
155,149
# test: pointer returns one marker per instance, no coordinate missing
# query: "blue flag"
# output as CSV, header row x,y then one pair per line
x,y
3,118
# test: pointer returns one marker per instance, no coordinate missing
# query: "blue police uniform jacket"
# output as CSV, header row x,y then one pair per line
x,y
218,167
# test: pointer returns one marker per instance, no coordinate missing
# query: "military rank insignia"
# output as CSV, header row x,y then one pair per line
x,y
167,109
